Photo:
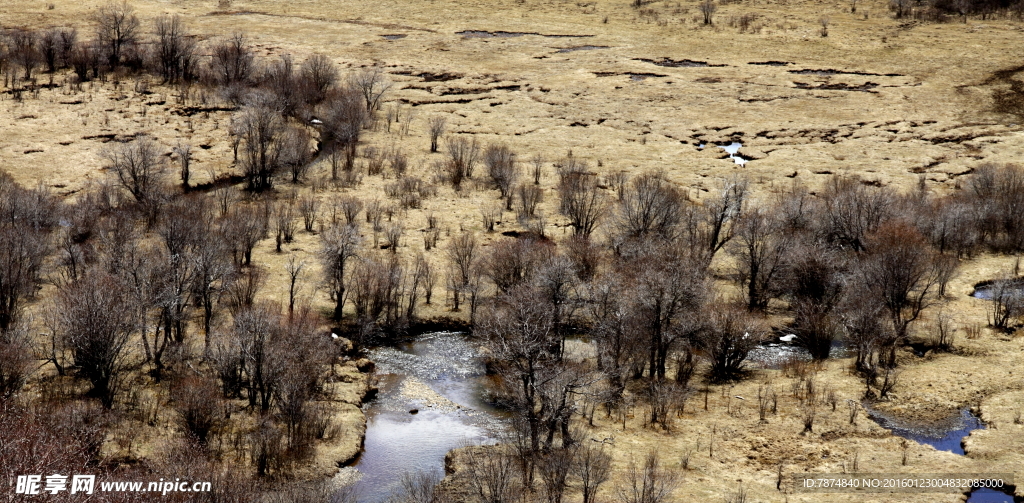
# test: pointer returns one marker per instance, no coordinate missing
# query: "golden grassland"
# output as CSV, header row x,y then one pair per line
x,y
906,101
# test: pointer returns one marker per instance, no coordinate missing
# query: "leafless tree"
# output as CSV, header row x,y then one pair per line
x,y
650,483
649,205
260,127
515,262
343,115
339,244
16,359
24,51
184,151
501,167
284,224
435,125
528,197
138,166
233,62
309,208
461,253
462,156
197,402
243,228
592,467
176,52
730,336
582,201
707,9
900,271
428,279
24,248
762,246
372,85
49,49
376,292
94,319
319,75
295,152
491,474
117,27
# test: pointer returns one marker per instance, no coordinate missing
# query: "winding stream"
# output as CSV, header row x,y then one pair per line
x,y
430,401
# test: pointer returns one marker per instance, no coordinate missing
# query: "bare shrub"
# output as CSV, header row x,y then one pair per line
x,y
649,205
435,126
372,85
309,209
461,254
491,474
707,9
138,166
650,483
592,467
176,55
16,360
233,62
462,157
727,341
94,320
502,169
319,76
582,201
528,197
196,399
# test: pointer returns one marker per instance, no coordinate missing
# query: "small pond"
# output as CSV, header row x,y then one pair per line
x,y
945,435
987,289
430,401
733,150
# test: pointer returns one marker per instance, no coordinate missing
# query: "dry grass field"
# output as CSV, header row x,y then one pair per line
x,y
897,103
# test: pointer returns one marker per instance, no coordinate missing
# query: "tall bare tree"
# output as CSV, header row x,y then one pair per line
x,y
339,244
117,27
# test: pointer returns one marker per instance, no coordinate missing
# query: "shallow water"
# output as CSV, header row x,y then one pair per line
x,y
986,495
733,150
986,289
944,436
773,355
441,377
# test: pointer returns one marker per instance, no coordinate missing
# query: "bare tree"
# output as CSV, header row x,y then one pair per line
x,y
339,244
435,126
372,85
49,49
243,228
16,359
94,319
343,115
529,196
197,402
260,127
233,61
730,336
761,249
117,27
461,253
582,201
184,151
319,75
593,468
901,272
462,156
649,205
25,51
650,483
707,9
138,166
295,152
294,269
501,167
176,52
309,208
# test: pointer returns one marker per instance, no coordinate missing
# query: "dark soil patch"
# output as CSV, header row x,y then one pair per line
x,y
682,63
770,63
866,87
580,48
829,72
437,77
